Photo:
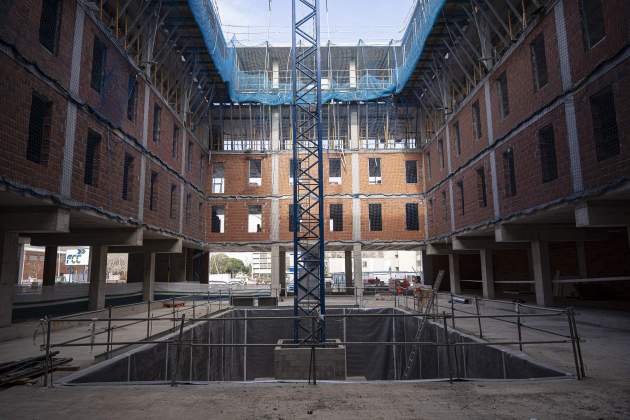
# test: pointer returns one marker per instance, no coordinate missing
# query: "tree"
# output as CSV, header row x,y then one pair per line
x,y
221,264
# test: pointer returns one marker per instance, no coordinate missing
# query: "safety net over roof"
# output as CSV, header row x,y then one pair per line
x,y
357,73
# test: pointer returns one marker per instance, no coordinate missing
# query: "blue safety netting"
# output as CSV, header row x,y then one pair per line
x,y
265,87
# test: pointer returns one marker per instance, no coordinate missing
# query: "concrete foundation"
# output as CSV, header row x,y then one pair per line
x,y
294,362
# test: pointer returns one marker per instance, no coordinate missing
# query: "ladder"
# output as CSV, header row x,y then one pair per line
x,y
411,360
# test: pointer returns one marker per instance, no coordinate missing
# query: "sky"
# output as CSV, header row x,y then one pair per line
x,y
342,21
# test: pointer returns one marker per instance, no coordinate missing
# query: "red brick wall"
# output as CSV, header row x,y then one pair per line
x,y
474,213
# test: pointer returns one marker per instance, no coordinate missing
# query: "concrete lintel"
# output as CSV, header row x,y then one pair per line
x,y
543,232
606,213
91,237
160,246
34,219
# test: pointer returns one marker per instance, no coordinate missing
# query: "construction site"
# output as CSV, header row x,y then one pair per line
x,y
263,209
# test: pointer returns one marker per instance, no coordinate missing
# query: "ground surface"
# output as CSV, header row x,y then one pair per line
x,y
605,393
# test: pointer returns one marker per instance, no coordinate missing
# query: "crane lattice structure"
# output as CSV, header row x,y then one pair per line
x,y
308,194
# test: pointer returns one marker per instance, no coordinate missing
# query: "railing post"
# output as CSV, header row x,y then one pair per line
x,y
577,343
148,319
173,308
47,361
179,350
572,333
478,317
448,349
518,326
194,304
109,331
452,311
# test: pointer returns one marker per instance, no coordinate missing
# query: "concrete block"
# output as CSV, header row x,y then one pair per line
x,y
293,362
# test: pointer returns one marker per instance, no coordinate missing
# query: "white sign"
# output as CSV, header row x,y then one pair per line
x,y
77,256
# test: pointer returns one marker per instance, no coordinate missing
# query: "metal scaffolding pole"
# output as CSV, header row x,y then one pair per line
x,y
308,194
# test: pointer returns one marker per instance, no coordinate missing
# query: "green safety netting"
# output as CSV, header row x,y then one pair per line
x,y
262,74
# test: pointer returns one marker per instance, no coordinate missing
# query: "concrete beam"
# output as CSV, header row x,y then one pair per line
x,y
34,219
547,232
160,246
439,249
92,237
472,243
606,213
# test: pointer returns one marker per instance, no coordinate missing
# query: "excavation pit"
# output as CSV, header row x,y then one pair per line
x,y
243,345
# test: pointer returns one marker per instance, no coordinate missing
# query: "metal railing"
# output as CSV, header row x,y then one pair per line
x,y
415,306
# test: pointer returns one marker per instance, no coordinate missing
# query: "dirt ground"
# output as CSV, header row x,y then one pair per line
x,y
588,399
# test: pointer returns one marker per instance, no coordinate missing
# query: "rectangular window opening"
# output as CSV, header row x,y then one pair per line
x,y
127,175
509,172
132,97
173,209
218,178
411,171
39,130
376,219
157,115
411,216
593,26
605,130
153,191
502,91
254,219
255,172
175,145
49,24
374,171
336,217
539,61
547,148
218,219
476,115
91,158
188,207
482,195
458,138
460,188
99,53
334,171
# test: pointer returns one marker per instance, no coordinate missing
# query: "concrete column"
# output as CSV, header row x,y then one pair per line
x,y
581,260
148,283
9,269
352,70
354,128
487,273
20,260
204,267
283,272
275,75
428,274
454,273
278,269
358,269
348,267
50,266
177,267
275,129
98,273
542,272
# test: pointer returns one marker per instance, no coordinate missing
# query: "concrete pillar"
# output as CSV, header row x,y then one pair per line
x,y
428,274
20,260
542,272
358,269
354,128
487,273
98,273
50,266
9,269
454,273
204,267
348,267
278,270
148,283
581,260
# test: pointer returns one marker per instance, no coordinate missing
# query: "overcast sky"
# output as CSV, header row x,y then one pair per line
x,y
347,21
